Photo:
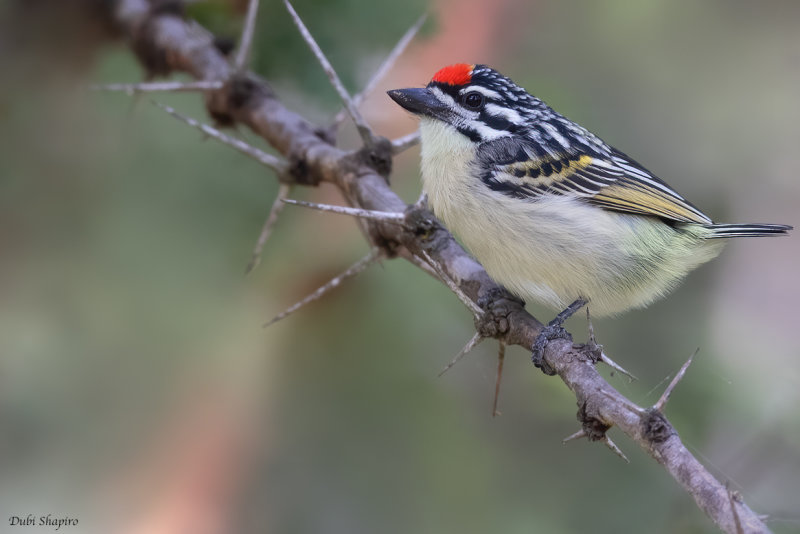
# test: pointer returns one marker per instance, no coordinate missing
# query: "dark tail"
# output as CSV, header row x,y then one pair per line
x,y
748,230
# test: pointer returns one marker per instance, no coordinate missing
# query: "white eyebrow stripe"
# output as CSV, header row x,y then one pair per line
x,y
482,90
487,133
508,113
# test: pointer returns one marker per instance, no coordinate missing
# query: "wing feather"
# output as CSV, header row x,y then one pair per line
x,y
613,182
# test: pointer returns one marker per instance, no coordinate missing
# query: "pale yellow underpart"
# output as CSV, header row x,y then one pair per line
x,y
556,248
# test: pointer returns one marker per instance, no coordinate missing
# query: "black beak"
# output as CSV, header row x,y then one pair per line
x,y
419,102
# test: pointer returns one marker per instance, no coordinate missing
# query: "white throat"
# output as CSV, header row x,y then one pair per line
x,y
446,159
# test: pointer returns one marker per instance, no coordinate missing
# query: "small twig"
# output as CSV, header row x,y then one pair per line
x,y
471,344
733,498
246,42
386,216
623,401
273,162
153,87
657,386
474,308
422,264
613,446
501,356
605,439
614,365
401,144
577,435
387,64
356,268
592,340
659,406
272,218
363,128
595,348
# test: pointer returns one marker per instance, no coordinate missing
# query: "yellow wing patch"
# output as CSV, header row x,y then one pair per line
x,y
541,173
614,183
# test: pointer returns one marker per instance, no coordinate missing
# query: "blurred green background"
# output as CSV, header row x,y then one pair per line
x,y
139,393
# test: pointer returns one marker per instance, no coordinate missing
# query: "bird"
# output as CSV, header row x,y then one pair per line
x,y
553,213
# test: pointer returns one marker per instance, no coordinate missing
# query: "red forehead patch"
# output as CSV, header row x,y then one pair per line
x,y
458,74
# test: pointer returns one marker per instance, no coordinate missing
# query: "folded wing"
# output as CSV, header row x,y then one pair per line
x,y
611,181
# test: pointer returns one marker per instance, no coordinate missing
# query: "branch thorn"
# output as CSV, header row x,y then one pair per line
x,y
246,42
154,87
272,218
659,406
613,446
351,271
471,344
577,435
616,397
384,68
468,302
273,162
614,365
361,125
401,144
598,349
733,498
501,356
386,216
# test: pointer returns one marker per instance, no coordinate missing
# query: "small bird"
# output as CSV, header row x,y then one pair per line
x,y
552,212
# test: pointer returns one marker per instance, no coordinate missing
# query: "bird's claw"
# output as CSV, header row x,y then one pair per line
x,y
552,331
548,334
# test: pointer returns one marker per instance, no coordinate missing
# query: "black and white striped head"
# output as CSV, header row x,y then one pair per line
x,y
484,105
478,101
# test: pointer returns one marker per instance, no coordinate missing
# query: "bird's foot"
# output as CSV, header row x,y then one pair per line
x,y
548,334
553,330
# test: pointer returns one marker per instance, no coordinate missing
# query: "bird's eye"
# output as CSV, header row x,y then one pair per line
x,y
473,100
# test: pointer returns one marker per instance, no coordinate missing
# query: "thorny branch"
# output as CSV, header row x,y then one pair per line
x,y
471,344
266,230
156,87
347,210
384,68
166,42
274,163
246,42
501,356
363,128
358,267
401,144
